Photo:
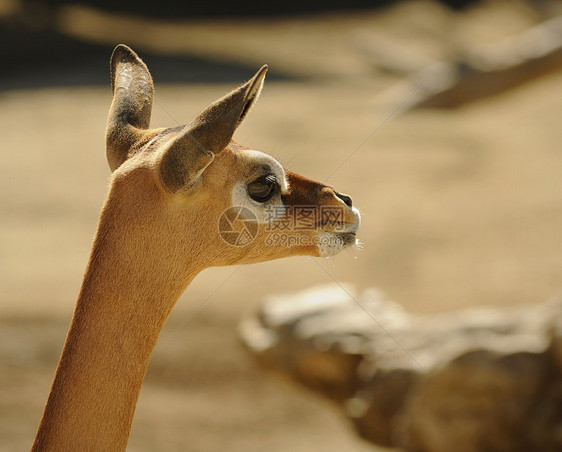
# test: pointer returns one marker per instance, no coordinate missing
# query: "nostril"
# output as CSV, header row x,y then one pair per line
x,y
346,199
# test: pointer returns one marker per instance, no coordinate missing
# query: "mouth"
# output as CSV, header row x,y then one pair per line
x,y
334,242
348,238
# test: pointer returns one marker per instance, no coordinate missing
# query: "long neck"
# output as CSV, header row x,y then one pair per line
x,y
129,289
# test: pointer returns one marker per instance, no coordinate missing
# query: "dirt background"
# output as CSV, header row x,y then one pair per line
x,y
460,207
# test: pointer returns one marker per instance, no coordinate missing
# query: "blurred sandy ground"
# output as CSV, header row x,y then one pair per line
x,y
459,207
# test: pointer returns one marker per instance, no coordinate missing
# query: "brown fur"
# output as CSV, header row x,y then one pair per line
x,y
157,231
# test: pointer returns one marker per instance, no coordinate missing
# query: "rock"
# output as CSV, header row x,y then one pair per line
x,y
476,73
474,380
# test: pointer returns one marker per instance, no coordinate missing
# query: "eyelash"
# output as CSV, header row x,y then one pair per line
x,y
264,188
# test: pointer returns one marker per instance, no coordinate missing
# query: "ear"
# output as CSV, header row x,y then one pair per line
x,y
187,155
130,110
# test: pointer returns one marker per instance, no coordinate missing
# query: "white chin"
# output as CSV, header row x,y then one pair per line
x,y
331,244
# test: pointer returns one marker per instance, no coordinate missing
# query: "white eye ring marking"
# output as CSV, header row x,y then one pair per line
x,y
240,196
276,168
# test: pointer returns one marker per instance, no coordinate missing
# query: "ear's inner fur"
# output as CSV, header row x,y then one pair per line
x,y
131,108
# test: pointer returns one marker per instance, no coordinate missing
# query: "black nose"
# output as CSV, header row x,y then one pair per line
x,y
345,198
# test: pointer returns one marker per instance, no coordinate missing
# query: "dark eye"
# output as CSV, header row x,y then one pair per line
x,y
263,188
